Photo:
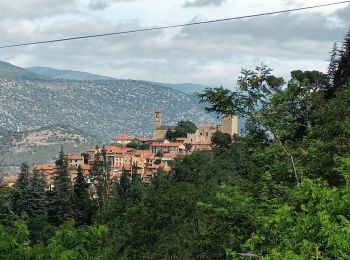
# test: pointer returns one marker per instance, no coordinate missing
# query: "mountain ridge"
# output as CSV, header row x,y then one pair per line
x,y
66,74
46,72
100,107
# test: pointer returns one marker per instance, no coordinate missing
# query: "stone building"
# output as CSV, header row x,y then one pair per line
x,y
204,133
160,130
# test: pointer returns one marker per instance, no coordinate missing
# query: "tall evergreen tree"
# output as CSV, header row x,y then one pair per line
x,y
60,208
6,213
332,68
37,199
100,176
21,196
342,74
82,205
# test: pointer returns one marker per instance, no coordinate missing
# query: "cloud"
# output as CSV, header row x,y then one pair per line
x,y
35,9
211,54
98,4
103,4
344,15
201,3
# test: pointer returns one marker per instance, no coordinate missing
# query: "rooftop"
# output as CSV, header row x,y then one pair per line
x,y
45,167
167,145
74,157
123,137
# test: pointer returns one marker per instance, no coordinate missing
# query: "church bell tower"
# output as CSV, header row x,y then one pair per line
x,y
157,119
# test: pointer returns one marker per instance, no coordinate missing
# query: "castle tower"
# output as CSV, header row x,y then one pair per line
x,y
229,124
157,120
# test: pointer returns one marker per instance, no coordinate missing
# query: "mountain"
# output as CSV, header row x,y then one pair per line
x,y
42,145
187,88
101,108
66,74
10,71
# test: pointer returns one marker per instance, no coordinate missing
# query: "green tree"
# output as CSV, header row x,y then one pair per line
x,y
100,176
181,130
133,145
21,198
37,198
221,140
144,146
60,206
342,74
185,127
14,241
7,216
82,204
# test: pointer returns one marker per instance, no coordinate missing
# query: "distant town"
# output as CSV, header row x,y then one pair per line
x,y
142,156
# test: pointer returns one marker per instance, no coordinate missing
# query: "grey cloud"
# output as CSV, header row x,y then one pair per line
x,y
36,9
344,14
210,54
98,4
103,4
201,3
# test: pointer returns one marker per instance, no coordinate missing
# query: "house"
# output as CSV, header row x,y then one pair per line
x,y
147,140
48,172
168,157
200,146
115,154
176,148
9,180
123,139
75,160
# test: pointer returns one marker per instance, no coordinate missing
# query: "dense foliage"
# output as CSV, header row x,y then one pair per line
x,y
181,130
279,191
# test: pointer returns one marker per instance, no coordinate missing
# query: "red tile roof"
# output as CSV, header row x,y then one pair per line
x,y
123,137
116,149
169,155
45,167
143,153
74,157
85,167
166,145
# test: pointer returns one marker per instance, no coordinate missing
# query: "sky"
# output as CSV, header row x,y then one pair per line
x,y
212,55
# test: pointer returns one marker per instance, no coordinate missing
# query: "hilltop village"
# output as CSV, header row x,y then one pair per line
x,y
143,156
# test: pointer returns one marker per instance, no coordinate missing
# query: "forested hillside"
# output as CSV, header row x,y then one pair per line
x,y
281,191
101,108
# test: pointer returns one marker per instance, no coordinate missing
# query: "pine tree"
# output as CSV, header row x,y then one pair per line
x,y
332,68
37,198
60,208
342,74
100,175
7,216
82,204
21,196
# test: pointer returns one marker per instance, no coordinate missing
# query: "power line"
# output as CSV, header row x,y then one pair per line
x,y
175,26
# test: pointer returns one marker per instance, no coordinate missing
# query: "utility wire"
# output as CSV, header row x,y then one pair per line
x,y
176,26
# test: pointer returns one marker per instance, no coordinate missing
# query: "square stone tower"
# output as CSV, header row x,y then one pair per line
x,y
157,120
229,124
